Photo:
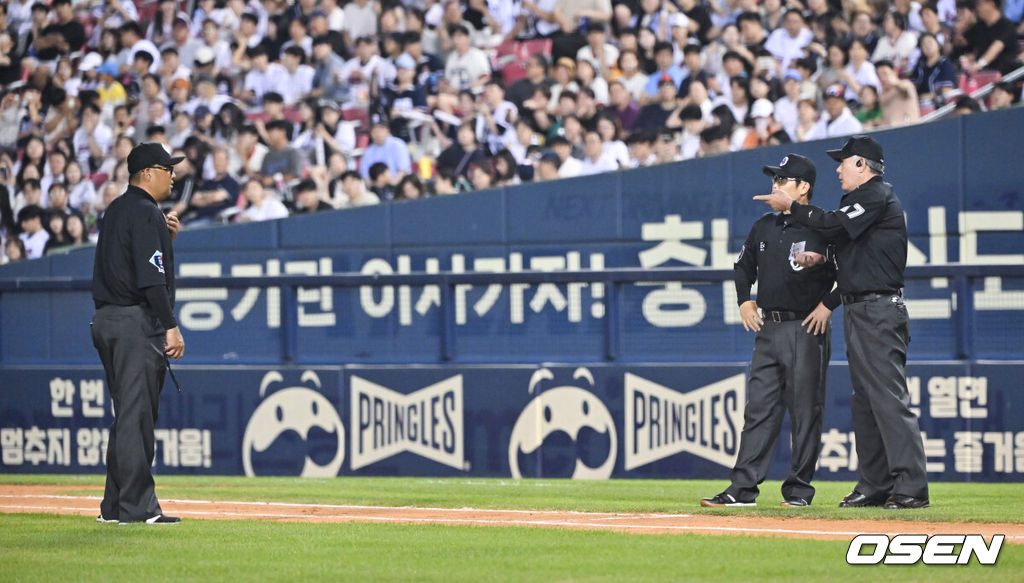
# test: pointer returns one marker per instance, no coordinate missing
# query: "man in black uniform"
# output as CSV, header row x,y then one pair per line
x,y
134,329
870,233
787,371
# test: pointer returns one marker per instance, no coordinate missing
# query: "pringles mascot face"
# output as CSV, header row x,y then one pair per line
x,y
567,419
292,426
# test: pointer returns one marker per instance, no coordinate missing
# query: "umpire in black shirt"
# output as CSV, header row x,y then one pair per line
x,y
792,346
870,233
134,329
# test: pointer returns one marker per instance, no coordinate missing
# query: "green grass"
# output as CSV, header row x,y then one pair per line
x,y
50,548
951,502
70,548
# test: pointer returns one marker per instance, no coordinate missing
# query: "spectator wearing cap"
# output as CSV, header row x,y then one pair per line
x,y
65,36
298,76
403,98
654,115
281,159
385,148
360,20
786,106
263,77
328,82
467,66
110,89
898,98
787,43
837,119
933,74
858,72
33,235
261,205
132,42
991,42
764,125
898,44
664,59
601,53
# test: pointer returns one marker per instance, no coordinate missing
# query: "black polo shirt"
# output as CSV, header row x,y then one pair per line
x,y
72,31
133,253
781,283
870,234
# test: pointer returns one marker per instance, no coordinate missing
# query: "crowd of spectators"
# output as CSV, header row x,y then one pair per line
x,y
289,107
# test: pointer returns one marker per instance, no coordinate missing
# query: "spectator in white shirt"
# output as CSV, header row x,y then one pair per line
x,y
33,235
787,43
598,50
595,160
837,120
262,205
298,80
264,76
568,167
898,44
360,20
496,119
360,70
858,72
467,67
93,140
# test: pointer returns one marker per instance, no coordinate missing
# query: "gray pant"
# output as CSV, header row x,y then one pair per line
x,y
787,373
130,343
889,445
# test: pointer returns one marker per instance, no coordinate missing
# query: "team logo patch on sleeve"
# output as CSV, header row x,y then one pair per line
x,y
157,260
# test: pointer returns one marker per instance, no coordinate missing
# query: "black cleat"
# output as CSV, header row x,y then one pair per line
x,y
899,501
102,520
795,503
724,499
158,519
857,500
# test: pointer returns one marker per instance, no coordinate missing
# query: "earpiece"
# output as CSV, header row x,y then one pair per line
x,y
860,163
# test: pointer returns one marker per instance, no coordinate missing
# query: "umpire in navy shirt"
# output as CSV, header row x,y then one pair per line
x,y
134,329
870,234
792,347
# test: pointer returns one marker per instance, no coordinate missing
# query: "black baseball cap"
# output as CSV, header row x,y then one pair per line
x,y
149,155
863,146
794,166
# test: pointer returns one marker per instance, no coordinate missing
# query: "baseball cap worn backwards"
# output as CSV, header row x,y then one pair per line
x,y
149,155
863,146
794,166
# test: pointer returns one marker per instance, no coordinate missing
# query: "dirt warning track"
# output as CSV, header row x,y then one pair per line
x,y
48,499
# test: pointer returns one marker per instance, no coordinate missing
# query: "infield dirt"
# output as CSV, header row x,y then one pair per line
x,y
48,499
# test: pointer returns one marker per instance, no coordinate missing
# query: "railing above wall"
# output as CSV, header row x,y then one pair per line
x,y
961,328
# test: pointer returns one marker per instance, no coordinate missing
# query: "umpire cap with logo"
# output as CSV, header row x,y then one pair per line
x,y
794,166
148,155
863,146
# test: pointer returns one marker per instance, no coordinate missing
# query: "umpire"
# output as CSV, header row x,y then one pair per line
x,y
870,233
787,370
134,329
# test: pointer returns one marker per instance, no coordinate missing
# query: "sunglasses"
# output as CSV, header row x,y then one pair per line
x,y
780,180
166,169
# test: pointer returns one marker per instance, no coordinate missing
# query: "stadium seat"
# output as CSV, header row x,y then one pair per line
x,y
357,114
99,179
513,72
969,83
534,47
504,54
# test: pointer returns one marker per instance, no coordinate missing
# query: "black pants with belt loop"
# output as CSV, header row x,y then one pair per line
x,y
787,373
130,342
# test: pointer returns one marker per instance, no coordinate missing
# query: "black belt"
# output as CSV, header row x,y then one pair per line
x,y
782,316
868,296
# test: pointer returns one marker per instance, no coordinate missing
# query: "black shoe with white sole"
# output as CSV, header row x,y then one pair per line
x,y
102,520
796,503
724,499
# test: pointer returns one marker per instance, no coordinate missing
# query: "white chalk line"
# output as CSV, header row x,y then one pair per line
x,y
437,520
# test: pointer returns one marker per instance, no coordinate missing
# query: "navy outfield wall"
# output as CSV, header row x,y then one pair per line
x,y
591,421
958,180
